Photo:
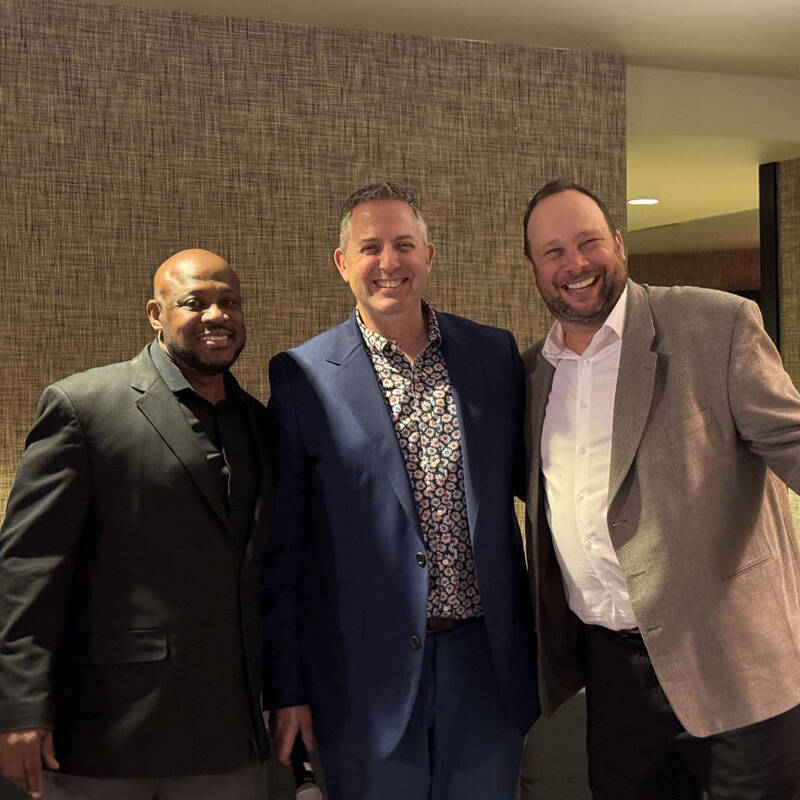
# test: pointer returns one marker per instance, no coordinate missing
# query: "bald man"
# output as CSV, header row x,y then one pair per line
x,y
129,566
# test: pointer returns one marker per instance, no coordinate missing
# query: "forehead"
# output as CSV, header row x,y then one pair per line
x,y
383,218
190,278
563,215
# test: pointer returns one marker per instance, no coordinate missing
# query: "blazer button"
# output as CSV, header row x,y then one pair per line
x,y
415,641
421,560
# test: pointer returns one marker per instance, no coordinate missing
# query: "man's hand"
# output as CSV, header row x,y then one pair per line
x,y
284,724
21,757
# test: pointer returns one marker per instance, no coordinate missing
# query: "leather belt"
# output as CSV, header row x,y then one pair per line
x,y
628,634
442,624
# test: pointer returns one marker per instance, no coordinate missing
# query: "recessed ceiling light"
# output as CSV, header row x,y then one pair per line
x,y
643,201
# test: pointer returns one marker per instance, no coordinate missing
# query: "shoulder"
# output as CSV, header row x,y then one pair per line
x,y
322,342
690,301
333,345
531,355
466,329
96,382
250,400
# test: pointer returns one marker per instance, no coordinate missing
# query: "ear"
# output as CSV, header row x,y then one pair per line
x,y
620,244
531,269
153,309
341,263
430,250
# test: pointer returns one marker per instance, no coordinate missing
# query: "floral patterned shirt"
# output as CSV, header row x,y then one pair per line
x,y
420,402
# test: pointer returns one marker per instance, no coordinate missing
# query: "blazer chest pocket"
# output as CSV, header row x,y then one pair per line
x,y
127,647
699,423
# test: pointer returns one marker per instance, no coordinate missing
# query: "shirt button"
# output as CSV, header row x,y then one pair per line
x,y
421,560
580,496
581,451
415,641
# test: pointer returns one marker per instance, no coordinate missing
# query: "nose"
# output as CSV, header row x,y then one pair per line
x,y
213,312
389,259
575,258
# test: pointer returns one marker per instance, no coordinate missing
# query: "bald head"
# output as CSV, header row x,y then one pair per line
x,y
196,312
194,264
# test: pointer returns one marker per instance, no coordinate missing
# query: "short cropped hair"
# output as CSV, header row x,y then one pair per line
x,y
556,187
378,191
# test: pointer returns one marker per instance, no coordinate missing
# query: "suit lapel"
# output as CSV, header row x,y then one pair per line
x,y
357,385
635,381
468,386
161,409
540,381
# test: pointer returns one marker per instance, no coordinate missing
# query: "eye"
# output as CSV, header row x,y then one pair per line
x,y
590,242
369,249
192,303
553,252
231,302
405,246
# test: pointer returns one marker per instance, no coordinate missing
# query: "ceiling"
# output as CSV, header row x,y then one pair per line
x,y
705,170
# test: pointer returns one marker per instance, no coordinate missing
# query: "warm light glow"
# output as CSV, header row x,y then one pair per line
x,y
643,201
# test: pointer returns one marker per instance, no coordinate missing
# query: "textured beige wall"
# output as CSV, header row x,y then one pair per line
x,y
129,134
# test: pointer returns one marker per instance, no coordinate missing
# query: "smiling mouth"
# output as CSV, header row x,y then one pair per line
x,y
217,338
584,283
389,283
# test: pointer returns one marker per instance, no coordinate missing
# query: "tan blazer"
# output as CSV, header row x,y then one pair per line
x,y
705,418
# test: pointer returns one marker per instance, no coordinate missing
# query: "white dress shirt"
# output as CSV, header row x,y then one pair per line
x,y
576,455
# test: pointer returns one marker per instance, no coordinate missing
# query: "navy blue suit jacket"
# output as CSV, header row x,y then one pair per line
x,y
345,597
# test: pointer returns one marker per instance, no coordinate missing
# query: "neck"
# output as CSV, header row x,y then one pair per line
x,y
578,337
209,387
410,333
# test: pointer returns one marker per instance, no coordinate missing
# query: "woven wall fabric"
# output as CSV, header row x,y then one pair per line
x,y
130,134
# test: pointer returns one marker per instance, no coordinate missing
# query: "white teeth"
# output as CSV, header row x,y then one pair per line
x,y
581,284
389,284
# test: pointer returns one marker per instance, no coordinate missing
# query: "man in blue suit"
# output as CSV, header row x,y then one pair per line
x,y
395,589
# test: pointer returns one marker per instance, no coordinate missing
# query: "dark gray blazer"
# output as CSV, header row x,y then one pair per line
x,y
129,617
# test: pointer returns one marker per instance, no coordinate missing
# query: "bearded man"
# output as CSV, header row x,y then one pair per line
x,y
661,432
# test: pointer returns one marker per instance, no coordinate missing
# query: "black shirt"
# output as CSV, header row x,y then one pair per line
x,y
224,435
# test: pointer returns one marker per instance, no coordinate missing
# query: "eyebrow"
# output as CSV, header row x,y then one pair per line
x,y
580,234
377,239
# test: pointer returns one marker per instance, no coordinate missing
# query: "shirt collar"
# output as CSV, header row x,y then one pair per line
x,y
176,381
555,348
380,344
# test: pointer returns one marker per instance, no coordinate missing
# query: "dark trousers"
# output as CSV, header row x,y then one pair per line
x,y
247,783
460,743
638,750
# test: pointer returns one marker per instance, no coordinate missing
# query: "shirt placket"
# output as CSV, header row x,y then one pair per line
x,y
583,402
